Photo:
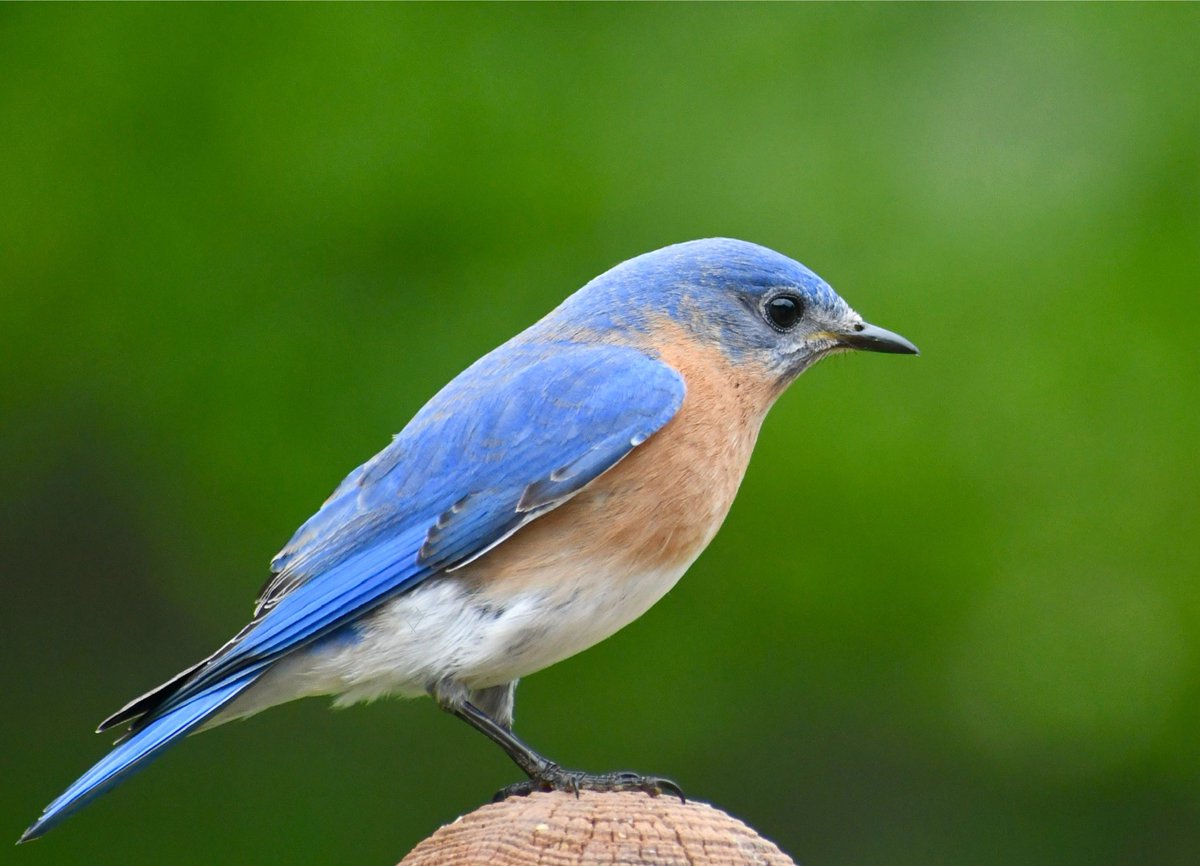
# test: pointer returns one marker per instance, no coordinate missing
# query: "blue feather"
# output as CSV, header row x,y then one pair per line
x,y
134,753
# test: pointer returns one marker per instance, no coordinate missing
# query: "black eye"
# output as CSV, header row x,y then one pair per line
x,y
784,311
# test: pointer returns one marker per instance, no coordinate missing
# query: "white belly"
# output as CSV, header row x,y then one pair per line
x,y
446,629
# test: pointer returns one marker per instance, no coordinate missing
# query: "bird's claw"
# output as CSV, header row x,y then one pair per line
x,y
555,778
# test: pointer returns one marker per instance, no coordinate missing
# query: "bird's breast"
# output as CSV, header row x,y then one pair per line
x,y
656,510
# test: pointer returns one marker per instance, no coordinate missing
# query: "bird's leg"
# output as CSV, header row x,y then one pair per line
x,y
546,775
530,762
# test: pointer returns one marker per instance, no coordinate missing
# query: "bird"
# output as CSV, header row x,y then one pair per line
x,y
542,500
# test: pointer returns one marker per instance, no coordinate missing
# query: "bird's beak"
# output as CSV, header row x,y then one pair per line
x,y
870,338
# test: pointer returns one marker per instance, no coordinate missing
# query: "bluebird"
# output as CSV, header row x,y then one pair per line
x,y
546,497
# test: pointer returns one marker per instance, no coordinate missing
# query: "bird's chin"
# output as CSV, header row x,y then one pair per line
x,y
807,356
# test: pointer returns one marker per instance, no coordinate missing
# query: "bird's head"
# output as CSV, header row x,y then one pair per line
x,y
757,306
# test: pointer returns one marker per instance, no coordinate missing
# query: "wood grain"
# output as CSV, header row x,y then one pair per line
x,y
599,829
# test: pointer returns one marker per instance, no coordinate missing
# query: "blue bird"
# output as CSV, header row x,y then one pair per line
x,y
546,497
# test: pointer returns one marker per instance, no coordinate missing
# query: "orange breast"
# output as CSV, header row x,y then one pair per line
x,y
662,504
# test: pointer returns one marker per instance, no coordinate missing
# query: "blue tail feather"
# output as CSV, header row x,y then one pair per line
x,y
138,750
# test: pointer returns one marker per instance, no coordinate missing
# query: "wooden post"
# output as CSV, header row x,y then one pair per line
x,y
561,829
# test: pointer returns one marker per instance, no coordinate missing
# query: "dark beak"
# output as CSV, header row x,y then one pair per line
x,y
872,339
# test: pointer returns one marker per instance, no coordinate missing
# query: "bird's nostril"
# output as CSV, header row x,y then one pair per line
x,y
859,326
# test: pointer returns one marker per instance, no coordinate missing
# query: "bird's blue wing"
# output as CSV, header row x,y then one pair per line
x,y
515,435
512,437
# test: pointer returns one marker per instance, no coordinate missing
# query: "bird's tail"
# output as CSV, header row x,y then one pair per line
x,y
139,748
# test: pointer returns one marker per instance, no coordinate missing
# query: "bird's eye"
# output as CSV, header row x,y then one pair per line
x,y
784,311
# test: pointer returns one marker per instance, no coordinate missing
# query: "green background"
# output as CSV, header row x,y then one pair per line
x,y
953,616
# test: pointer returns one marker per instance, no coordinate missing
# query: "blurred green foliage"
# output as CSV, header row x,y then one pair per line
x,y
954,614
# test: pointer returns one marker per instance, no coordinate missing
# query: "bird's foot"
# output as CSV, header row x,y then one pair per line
x,y
554,778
